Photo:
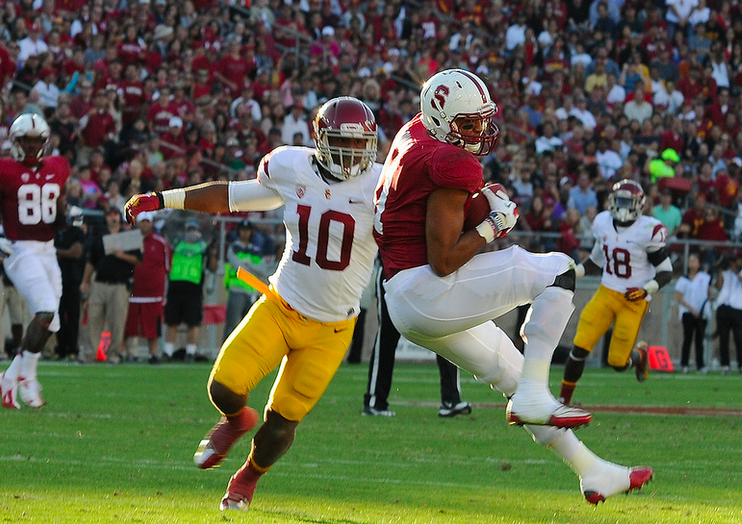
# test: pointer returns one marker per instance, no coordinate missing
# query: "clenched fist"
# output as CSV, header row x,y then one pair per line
x,y
141,203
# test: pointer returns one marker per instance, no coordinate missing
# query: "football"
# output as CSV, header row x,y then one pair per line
x,y
477,210
477,207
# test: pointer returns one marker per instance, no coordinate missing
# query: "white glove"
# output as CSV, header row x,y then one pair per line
x,y
503,214
6,248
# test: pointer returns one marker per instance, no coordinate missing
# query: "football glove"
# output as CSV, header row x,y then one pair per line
x,y
140,203
503,213
635,293
6,248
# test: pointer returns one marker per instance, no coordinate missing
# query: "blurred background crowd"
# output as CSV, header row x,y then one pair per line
x,y
153,94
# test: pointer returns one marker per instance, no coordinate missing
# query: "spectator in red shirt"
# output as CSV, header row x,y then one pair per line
x,y
132,95
97,127
184,105
202,85
712,228
691,85
173,137
161,111
146,302
671,138
693,218
233,69
82,102
112,78
727,184
130,49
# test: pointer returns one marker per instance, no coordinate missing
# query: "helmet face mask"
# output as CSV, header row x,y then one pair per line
x,y
29,136
626,201
345,137
456,108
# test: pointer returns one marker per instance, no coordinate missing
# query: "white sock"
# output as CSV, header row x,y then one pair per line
x,y
191,349
14,369
565,444
29,362
168,349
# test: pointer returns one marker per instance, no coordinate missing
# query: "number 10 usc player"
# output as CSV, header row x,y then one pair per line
x,y
31,196
305,324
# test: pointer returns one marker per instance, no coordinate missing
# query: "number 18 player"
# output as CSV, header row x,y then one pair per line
x,y
32,201
630,250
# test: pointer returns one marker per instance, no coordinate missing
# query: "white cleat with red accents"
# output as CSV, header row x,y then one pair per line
x,y
30,390
10,392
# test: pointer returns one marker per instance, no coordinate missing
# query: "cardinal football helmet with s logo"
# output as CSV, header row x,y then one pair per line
x,y
29,136
346,137
457,108
626,201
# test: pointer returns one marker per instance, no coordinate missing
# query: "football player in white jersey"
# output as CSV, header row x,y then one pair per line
x,y
305,322
630,251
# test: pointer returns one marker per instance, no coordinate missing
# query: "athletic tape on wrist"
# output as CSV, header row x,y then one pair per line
x,y
486,230
652,287
174,198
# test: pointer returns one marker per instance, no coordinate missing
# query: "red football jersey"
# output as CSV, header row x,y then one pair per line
x,y
29,197
417,165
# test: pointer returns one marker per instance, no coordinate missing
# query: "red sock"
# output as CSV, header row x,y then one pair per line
x,y
568,389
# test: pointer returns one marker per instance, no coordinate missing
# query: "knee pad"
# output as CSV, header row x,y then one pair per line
x,y
548,316
566,280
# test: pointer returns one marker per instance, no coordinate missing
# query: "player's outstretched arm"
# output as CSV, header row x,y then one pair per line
x,y
211,197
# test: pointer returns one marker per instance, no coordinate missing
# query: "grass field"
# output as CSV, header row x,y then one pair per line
x,y
115,444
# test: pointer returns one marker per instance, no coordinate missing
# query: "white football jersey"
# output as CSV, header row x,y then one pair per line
x,y
623,255
330,249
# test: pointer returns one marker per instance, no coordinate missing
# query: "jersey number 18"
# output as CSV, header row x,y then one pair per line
x,y
620,259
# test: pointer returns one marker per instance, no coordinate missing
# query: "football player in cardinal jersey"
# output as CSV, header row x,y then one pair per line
x,y
443,296
305,322
33,205
630,251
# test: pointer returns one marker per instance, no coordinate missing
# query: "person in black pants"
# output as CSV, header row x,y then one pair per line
x,y
381,367
71,255
729,310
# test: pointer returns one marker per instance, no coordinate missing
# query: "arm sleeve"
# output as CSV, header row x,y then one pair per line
x,y
250,195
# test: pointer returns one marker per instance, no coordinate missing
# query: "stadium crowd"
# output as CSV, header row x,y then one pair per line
x,y
156,94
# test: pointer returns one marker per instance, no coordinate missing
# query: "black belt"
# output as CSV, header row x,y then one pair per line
x,y
111,282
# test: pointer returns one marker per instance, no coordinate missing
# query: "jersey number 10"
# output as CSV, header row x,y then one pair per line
x,y
37,204
323,238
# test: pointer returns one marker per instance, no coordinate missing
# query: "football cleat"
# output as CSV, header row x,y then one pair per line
x,y
642,367
30,390
637,478
10,392
560,416
449,409
373,412
213,449
238,495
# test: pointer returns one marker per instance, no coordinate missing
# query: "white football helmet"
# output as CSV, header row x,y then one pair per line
x,y
626,201
346,137
457,108
29,135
